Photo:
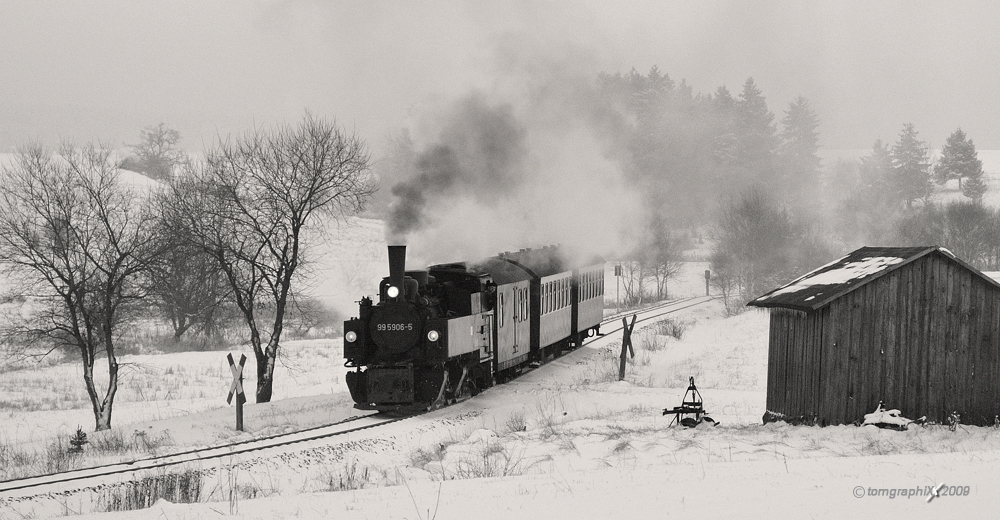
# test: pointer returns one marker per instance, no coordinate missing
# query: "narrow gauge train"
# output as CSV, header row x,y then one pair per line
x,y
443,334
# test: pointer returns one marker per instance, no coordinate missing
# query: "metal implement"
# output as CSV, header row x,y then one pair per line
x,y
691,412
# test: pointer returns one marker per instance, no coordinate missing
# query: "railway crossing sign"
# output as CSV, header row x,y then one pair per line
x,y
237,388
626,345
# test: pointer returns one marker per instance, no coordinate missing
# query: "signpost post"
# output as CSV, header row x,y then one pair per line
x,y
237,388
618,274
626,345
708,276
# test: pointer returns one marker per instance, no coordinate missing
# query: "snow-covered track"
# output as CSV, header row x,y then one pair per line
x,y
36,483
653,312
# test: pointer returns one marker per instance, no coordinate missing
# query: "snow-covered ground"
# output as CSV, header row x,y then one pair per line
x,y
564,441
567,440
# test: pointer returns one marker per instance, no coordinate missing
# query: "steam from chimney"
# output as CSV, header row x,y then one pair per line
x,y
530,163
480,155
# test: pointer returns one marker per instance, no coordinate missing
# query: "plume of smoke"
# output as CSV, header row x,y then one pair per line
x,y
526,164
479,155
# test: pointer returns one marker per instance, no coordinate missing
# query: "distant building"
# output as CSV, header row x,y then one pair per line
x,y
913,327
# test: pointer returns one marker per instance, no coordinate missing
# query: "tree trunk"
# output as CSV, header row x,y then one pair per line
x,y
265,360
265,373
180,328
102,408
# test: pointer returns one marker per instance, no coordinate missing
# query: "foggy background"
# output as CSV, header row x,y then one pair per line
x,y
493,99
105,69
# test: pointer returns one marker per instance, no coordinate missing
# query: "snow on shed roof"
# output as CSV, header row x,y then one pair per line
x,y
819,287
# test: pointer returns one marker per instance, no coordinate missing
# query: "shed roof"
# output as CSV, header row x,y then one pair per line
x,y
819,287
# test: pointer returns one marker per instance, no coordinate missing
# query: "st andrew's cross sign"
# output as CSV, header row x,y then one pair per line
x,y
237,388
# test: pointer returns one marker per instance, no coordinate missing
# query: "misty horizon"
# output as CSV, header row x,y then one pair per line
x,y
103,70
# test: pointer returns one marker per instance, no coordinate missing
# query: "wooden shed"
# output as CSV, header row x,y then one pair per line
x,y
912,327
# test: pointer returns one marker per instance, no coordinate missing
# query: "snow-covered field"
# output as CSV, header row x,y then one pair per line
x,y
564,441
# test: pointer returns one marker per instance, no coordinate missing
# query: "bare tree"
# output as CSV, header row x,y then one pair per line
x,y
660,256
752,250
78,243
156,154
633,282
185,282
187,287
249,205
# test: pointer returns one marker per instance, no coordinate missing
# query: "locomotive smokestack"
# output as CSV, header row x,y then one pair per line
x,y
397,266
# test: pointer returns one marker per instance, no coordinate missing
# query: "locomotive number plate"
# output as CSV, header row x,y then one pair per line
x,y
391,327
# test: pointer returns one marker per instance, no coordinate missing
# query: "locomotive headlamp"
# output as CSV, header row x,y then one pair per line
x,y
393,291
351,336
433,335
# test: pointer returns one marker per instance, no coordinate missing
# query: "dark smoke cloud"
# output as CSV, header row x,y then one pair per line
x,y
534,159
480,154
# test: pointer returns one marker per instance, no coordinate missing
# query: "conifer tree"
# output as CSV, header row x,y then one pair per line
x,y
975,186
724,146
876,174
911,166
756,134
959,159
799,149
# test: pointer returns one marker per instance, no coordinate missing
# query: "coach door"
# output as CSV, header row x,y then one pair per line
x,y
516,317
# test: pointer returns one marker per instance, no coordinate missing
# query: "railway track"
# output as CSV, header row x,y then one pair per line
x,y
654,311
350,425
38,484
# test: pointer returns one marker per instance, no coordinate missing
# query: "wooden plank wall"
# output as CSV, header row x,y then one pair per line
x,y
924,339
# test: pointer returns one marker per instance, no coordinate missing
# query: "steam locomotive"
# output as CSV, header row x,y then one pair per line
x,y
446,333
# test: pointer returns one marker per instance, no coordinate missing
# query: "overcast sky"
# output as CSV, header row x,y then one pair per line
x,y
88,70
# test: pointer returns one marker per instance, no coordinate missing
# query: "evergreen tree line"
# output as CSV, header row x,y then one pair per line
x,y
721,162
689,154
689,151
